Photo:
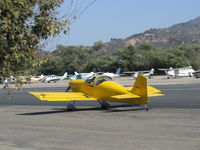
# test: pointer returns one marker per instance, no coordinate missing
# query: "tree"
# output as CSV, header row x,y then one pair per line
x,y
54,65
98,45
23,24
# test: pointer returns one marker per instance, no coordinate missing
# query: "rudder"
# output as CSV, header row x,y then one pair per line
x,y
140,88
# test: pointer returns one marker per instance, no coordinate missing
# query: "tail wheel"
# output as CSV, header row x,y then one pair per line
x,y
146,108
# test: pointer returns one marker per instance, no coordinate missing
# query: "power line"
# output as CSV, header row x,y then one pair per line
x,y
83,11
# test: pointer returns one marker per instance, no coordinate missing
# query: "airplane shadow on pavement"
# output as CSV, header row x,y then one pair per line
x,y
105,110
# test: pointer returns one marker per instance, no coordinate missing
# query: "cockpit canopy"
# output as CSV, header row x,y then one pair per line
x,y
98,80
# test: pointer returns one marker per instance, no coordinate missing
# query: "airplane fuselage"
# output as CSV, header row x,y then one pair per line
x,y
103,91
180,72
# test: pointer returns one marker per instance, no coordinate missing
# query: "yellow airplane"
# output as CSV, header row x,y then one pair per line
x,y
102,89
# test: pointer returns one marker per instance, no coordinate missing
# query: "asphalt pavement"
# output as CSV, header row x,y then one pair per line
x,y
176,96
172,123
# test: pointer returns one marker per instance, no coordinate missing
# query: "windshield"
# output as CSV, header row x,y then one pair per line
x,y
101,80
90,80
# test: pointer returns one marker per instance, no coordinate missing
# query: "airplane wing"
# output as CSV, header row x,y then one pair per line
x,y
61,96
152,92
130,72
198,71
164,69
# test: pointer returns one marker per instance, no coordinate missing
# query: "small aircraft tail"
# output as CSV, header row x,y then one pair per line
x,y
140,88
76,73
152,71
41,76
118,71
65,75
90,75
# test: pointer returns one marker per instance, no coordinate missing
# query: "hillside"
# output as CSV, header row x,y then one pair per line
x,y
183,33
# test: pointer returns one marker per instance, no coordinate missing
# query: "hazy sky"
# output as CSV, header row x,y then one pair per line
x,y
107,19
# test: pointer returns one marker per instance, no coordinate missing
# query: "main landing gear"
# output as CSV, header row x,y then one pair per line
x,y
71,104
68,88
104,104
146,107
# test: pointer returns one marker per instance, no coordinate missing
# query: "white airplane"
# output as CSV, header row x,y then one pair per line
x,y
135,74
64,76
81,75
179,72
36,78
87,75
117,74
50,78
54,78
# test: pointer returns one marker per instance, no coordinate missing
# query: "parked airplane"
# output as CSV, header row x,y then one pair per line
x,y
50,78
36,78
24,79
179,72
54,78
75,76
65,76
116,74
87,75
135,74
81,75
103,88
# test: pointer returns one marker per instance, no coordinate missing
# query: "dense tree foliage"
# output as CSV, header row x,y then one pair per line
x,y
142,57
23,24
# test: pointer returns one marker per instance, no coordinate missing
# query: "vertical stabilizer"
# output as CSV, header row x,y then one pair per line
x,y
140,88
118,71
76,73
152,71
65,75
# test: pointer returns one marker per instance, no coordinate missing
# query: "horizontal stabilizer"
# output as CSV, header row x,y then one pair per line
x,y
61,96
155,94
151,89
126,96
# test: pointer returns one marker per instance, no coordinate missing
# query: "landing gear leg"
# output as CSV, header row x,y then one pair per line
x,y
146,107
71,105
68,88
104,104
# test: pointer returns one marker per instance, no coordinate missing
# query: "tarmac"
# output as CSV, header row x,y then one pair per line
x,y
129,81
172,123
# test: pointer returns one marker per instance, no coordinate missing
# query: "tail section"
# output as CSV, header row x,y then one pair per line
x,y
90,75
65,74
140,88
118,71
152,71
76,73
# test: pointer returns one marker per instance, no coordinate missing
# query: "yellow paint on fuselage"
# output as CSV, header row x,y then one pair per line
x,y
103,88
103,91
